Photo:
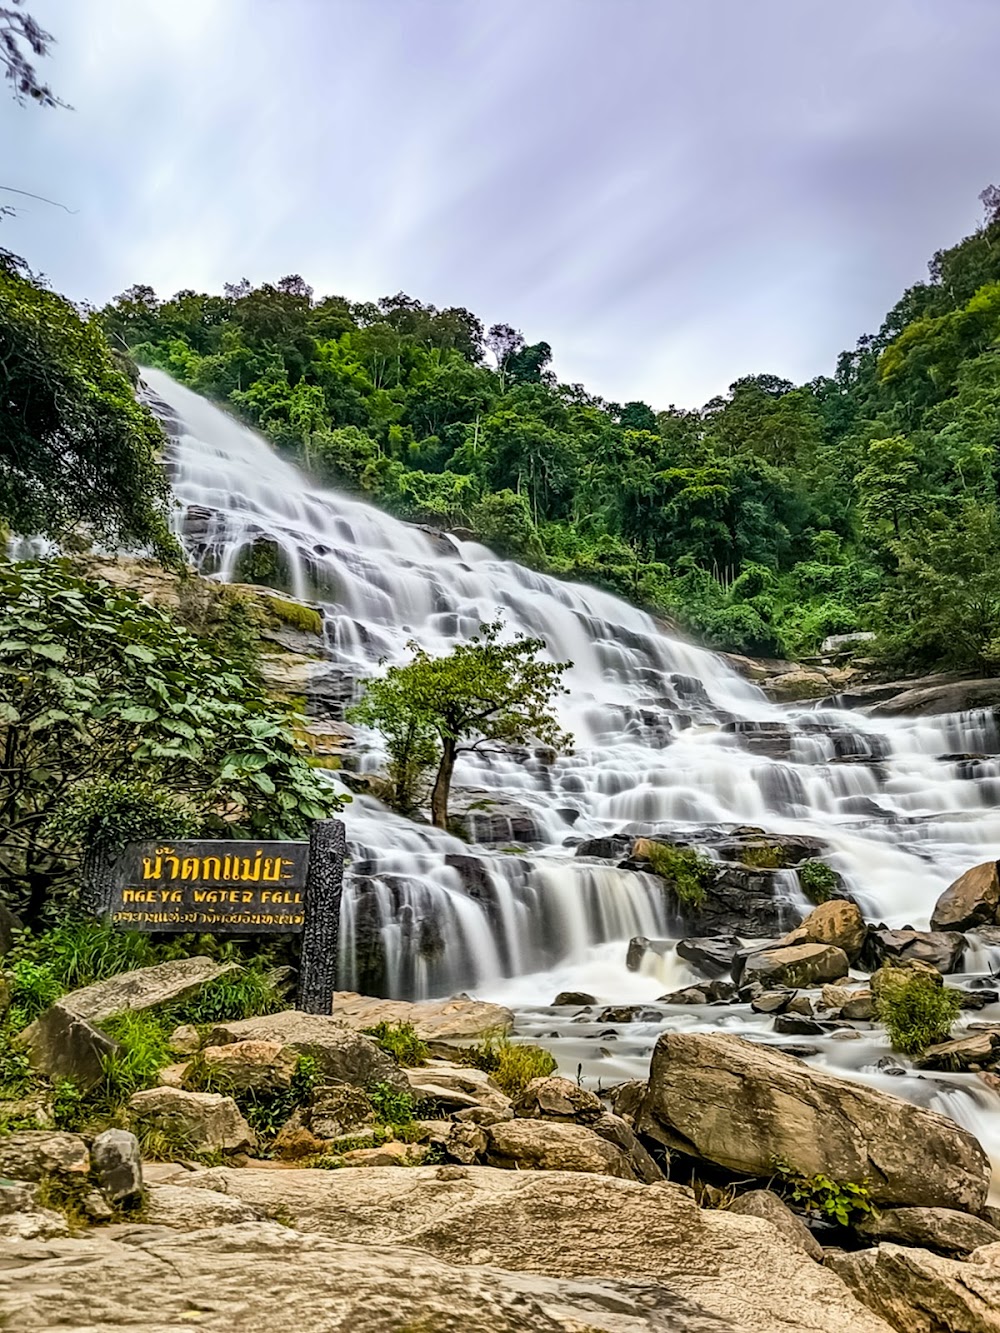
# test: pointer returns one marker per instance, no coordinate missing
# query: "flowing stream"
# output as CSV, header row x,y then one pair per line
x,y
666,734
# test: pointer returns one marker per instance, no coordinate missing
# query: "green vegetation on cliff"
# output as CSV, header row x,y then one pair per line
x,y
770,518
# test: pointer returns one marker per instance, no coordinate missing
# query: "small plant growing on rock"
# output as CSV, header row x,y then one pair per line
x,y
916,1009
391,1106
688,872
818,881
763,856
511,1065
400,1040
820,1196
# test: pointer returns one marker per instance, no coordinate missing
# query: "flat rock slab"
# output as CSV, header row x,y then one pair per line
x,y
944,1229
145,988
740,1270
62,1045
265,1276
459,1020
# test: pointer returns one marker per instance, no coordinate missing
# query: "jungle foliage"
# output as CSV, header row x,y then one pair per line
x,y
772,517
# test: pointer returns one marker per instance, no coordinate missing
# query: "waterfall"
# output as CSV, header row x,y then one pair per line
x,y
665,734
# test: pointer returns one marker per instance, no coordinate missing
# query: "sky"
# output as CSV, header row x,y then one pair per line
x,y
673,193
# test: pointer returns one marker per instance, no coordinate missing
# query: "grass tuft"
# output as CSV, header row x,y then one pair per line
x,y
512,1065
916,1009
400,1040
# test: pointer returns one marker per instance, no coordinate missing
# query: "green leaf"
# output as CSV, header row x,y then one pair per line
x,y
53,652
138,713
141,653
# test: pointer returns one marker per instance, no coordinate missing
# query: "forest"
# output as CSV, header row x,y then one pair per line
x,y
772,517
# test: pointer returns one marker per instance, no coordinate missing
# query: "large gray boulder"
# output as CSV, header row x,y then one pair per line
x,y
556,1098
691,1264
116,1163
244,1066
915,1291
342,1054
198,1121
145,988
61,1045
744,1106
940,948
972,900
944,1229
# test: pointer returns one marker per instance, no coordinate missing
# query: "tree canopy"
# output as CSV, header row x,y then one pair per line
x,y
762,522
76,448
486,692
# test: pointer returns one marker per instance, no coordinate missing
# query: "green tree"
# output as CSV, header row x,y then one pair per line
x,y
484,693
75,446
96,685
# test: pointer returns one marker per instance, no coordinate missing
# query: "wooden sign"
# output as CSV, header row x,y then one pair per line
x,y
200,887
241,888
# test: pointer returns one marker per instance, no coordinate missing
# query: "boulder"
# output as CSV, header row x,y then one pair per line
x,y
33,1154
342,1054
766,1204
978,1048
244,1066
986,1254
915,1291
116,1164
488,818
618,1131
744,1106
651,1260
23,1218
540,1145
942,1229
708,992
456,1087
940,948
145,988
889,973
576,998
555,1098
641,947
61,1045
466,1143
795,965
339,1109
972,900
711,954
458,1021
184,1040
932,697
772,1001
860,1008
835,922
201,1121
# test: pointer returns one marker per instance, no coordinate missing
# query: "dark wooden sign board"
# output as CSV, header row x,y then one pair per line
x,y
242,888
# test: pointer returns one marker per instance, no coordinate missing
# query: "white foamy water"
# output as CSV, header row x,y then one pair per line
x,y
656,723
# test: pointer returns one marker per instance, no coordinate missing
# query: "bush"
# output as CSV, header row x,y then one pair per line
x,y
688,872
401,1042
818,881
819,1195
511,1065
392,1107
916,1009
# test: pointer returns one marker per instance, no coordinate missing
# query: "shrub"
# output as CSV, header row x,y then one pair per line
x,y
916,1009
763,856
512,1065
818,881
401,1042
687,871
840,1201
392,1107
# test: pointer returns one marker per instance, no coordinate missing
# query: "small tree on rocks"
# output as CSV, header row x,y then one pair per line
x,y
484,693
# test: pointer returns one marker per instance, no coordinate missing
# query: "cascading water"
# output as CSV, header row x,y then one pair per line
x,y
665,734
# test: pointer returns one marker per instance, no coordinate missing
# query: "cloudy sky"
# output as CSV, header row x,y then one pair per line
x,y
671,192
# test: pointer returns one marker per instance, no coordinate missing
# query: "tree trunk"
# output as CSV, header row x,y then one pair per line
x,y
442,785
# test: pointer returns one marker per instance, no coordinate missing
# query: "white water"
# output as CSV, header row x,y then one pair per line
x,y
648,713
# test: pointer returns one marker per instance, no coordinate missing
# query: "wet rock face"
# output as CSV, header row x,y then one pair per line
x,y
489,818
915,1291
940,949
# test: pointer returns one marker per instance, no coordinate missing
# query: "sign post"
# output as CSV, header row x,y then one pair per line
x,y
242,888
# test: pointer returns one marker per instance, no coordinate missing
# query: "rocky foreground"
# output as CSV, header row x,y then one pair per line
x,y
541,1207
